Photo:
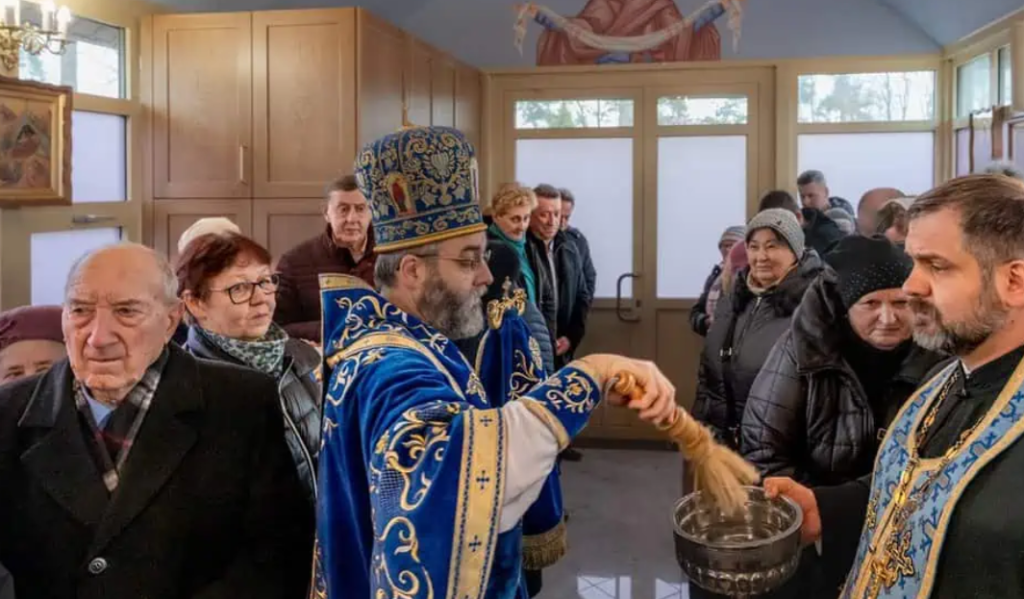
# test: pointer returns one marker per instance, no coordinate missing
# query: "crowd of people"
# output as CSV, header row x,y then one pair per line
x,y
389,403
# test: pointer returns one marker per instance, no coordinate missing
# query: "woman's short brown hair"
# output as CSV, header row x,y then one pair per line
x,y
511,196
893,214
207,256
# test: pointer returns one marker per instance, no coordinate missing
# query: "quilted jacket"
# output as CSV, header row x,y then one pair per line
x,y
807,415
756,323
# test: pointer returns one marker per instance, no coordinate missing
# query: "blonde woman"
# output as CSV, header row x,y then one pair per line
x,y
511,208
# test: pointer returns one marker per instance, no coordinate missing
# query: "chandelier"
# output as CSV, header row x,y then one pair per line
x,y
50,35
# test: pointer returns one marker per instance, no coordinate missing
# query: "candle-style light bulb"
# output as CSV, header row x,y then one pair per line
x,y
48,9
63,19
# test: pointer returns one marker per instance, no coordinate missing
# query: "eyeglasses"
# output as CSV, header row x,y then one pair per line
x,y
470,264
241,293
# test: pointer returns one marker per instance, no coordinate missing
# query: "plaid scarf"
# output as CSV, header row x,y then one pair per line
x,y
114,441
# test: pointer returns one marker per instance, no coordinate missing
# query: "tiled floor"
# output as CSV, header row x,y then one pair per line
x,y
620,532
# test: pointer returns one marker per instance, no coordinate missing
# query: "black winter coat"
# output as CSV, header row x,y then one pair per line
x,y
568,317
208,507
807,416
298,396
748,325
820,231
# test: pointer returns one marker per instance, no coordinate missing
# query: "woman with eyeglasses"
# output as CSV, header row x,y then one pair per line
x,y
229,292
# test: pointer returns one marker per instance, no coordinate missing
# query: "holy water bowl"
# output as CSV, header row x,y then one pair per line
x,y
748,553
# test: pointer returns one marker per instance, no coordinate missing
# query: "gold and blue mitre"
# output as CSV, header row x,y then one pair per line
x,y
422,185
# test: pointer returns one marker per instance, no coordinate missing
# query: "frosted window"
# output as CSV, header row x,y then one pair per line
x,y
93,64
1018,146
974,85
853,163
1005,77
98,158
600,174
573,114
702,189
983,147
53,254
689,110
963,152
867,97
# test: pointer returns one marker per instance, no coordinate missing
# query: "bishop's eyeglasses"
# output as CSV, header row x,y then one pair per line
x,y
469,263
241,293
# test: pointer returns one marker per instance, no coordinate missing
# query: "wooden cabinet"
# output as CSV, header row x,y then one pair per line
x,y
304,100
279,225
253,113
202,105
172,217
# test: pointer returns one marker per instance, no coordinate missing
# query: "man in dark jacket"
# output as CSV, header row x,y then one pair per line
x,y
345,247
820,231
582,245
555,259
133,469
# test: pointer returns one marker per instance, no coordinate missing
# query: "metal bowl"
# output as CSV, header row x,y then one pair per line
x,y
739,555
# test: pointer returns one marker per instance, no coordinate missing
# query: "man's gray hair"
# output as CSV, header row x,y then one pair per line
x,y
385,271
1006,169
812,176
168,281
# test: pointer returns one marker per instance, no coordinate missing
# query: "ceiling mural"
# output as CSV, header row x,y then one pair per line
x,y
501,33
625,31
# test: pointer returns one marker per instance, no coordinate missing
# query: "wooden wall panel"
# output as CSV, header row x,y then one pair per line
x,y
172,217
281,224
442,93
304,100
202,117
418,83
382,55
468,104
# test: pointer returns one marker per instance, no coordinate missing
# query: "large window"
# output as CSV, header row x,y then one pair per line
x,y
974,86
573,114
853,163
867,97
92,64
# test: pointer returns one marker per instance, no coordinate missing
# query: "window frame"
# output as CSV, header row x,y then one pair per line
x,y
17,226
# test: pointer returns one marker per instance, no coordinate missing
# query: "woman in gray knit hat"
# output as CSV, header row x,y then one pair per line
x,y
751,317
748,321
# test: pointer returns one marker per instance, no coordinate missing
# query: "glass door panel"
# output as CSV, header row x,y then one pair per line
x,y
599,172
702,189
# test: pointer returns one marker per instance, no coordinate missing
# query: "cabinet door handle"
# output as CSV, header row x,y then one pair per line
x,y
241,165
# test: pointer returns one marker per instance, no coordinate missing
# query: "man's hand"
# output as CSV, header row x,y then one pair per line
x,y
810,530
658,404
562,345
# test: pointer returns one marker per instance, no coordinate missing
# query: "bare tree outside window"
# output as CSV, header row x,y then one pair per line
x,y
867,97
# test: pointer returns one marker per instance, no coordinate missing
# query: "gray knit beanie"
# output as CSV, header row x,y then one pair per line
x,y
785,225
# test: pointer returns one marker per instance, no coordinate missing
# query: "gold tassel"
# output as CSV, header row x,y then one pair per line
x,y
543,550
718,469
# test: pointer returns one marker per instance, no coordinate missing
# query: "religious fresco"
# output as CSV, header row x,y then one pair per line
x,y
629,31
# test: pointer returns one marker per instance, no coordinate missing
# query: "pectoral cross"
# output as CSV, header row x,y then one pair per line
x,y
894,564
506,288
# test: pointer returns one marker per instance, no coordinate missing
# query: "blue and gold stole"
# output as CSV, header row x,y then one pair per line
x,y
901,563
412,464
509,363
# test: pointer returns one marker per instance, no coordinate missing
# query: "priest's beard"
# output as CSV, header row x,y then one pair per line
x,y
456,316
962,337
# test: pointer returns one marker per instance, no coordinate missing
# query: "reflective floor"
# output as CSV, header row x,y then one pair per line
x,y
620,535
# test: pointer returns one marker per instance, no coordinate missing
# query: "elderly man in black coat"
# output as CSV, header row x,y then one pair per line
x,y
135,470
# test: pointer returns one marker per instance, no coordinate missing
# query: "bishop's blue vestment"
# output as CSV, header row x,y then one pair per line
x,y
415,454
